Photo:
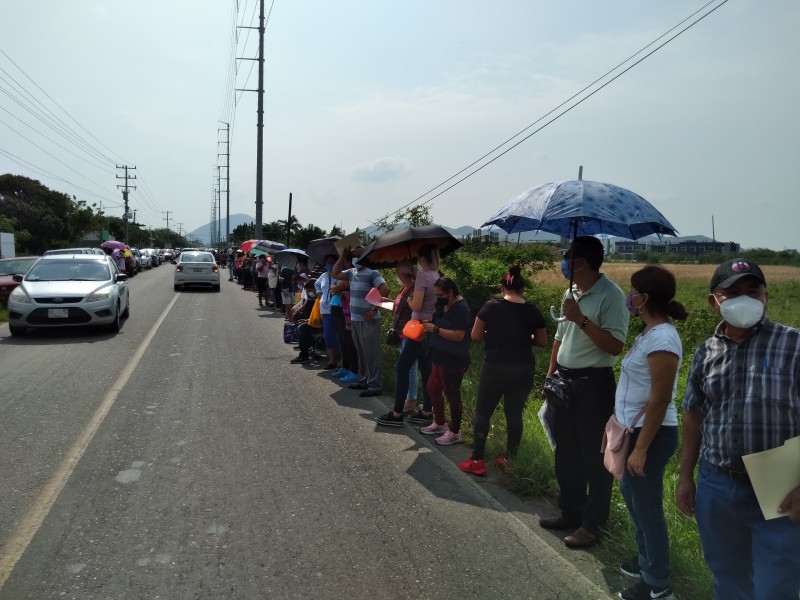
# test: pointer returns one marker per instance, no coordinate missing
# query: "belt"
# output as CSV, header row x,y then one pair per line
x,y
733,475
574,373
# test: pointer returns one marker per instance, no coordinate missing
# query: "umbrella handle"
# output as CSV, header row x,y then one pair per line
x,y
555,317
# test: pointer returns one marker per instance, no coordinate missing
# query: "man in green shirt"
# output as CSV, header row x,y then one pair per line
x,y
585,350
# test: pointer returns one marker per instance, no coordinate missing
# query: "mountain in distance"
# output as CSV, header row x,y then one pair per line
x,y
203,233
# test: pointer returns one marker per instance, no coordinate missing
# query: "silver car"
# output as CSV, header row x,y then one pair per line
x,y
67,291
196,267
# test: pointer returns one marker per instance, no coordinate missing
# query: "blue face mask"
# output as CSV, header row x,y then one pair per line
x,y
354,261
565,269
329,267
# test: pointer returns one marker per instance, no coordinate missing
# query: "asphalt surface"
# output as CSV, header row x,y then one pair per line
x,y
186,458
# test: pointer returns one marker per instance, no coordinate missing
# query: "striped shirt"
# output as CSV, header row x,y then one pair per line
x,y
748,393
361,282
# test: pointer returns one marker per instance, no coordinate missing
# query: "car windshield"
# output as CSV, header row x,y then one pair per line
x,y
204,257
69,270
20,266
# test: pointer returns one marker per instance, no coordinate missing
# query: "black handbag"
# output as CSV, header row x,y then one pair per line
x,y
556,391
392,339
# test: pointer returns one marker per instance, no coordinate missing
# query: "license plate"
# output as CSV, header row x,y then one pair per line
x,y
57,313
198,270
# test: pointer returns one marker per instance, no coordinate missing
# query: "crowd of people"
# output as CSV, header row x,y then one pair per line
x,y
742,395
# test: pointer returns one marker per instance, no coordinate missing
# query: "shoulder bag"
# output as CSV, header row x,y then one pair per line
x,y
616,441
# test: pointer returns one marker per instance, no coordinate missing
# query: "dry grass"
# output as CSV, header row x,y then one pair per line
x,y
621,273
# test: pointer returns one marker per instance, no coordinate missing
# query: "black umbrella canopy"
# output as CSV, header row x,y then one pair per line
x,y
291,256
399,245
321,247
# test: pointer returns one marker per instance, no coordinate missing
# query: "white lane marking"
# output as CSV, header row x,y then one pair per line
x,y
33,519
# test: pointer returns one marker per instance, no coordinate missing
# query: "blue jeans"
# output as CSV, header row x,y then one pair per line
x,y
413,375
750,557
410,353
644,497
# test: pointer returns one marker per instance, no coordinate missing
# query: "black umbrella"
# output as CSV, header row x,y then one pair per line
x,y
290,257
321,247
399,245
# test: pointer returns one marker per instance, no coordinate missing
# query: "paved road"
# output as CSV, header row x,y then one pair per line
x,y
185,458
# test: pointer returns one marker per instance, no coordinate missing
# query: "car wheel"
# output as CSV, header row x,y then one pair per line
x,y
17,330
216,288
116,324
127,312
177,288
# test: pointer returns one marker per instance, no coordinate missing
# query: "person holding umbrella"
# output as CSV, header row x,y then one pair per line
x,y
584,353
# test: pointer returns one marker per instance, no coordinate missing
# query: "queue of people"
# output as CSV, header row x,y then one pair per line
x,y
742,397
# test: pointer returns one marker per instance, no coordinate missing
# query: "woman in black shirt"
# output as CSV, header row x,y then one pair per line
x,y
510,327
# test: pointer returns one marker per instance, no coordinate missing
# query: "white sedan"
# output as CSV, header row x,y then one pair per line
x,y
196,267
64,290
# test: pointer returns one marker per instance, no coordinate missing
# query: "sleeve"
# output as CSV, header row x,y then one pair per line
x,y
615,316
462,320
318,283
537,318
485,313
377,279
665,340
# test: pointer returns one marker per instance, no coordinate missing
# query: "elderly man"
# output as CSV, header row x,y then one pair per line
x,y
742,396
364,319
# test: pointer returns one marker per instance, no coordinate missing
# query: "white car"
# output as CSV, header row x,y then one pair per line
x,y
196,267
65,290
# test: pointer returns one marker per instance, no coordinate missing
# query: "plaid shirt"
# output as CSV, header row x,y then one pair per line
x,y
749,393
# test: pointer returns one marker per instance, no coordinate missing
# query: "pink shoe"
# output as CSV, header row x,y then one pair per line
x,y
448,439
434,429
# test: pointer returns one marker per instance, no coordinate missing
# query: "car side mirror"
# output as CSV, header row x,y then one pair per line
x,y
17,277
122,277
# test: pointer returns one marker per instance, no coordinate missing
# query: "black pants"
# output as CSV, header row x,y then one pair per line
x,y
583,481
349,354
513,384
305,337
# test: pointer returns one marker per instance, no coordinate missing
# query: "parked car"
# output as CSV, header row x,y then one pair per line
x,y
155,259
10,267
145,260
169,255
196,268
74,251
67,291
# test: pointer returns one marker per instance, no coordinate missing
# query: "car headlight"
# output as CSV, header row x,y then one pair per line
x,y
100,295
19,295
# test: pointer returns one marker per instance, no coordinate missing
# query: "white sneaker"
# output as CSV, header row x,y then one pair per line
x,y
448,439
434,429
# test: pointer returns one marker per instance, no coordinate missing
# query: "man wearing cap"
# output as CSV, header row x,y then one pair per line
x,y
742,396
364,318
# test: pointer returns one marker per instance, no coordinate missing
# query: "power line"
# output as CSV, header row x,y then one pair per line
x,y
558,116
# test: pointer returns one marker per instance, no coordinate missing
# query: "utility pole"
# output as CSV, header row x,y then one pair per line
x,y
166,212
126,216
260,131
227,155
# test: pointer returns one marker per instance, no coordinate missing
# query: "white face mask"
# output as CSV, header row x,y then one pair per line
x,y
742,311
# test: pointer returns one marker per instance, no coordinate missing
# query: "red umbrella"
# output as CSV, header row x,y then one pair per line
x,y
248,245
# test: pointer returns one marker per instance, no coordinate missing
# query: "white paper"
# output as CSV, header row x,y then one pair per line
x,y
349,241
774,473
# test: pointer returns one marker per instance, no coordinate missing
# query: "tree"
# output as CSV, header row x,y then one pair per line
x,y
306,234
415,216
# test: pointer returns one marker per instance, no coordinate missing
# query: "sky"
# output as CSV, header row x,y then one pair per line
x,y
370,105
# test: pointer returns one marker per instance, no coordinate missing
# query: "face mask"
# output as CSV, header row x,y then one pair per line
x,y
311,294
328,267
565,269
634,310
354,261
742,311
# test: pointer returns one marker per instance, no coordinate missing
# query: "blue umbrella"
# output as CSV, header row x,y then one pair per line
x,y
268,246
574,208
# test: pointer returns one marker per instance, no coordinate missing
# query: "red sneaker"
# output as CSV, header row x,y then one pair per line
x,y
503,463
475,467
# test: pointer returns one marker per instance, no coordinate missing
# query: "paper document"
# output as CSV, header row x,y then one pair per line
x,y
349,241
774,473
